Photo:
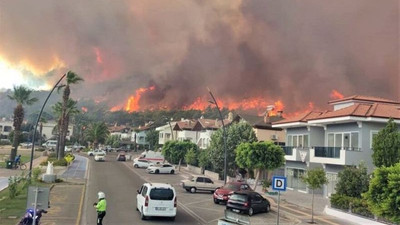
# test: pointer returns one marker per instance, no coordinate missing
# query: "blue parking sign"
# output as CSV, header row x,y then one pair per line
x,y
278,183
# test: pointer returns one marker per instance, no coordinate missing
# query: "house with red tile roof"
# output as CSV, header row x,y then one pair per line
x,y
334,138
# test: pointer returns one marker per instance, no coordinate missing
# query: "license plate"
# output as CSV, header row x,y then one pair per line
x,y
236,210
161,208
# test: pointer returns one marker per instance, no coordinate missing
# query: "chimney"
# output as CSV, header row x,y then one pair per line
x,y
279,114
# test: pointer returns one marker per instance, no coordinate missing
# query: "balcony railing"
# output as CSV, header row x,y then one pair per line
x,y
327,152
288,150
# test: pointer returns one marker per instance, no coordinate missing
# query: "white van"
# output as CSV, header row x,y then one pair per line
x,y
156,199
152,156
50,144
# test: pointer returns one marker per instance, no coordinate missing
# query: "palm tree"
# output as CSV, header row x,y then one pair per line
x,y
71,110
72,78
22,96
97,133
41,121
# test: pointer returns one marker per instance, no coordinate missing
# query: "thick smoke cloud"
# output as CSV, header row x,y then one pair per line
x,y
292,50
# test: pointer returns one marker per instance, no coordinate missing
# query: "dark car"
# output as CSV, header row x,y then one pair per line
x,y
222,194
121,157
248,202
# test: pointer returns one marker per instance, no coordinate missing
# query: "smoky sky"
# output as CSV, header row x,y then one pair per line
x,y
296,51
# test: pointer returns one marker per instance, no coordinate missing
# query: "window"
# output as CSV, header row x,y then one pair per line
x,y
354,140
300,140
161,194
305,141
347,140
208,180
144,191
289,140
200,179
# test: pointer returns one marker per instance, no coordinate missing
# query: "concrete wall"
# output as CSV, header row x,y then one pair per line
x,y
265,135
212,175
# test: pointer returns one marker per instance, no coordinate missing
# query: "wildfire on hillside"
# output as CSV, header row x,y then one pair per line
x,y
84,109
258,105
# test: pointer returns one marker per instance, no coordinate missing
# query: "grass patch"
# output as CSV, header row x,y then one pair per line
x,y
11,208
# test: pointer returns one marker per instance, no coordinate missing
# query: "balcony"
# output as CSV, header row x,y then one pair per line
x,y
335,155
293,153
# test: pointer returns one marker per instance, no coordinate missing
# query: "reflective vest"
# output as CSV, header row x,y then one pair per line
x,y
101,205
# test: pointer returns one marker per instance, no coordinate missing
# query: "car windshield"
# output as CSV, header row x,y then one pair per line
x,y
239,197
161,194
232,187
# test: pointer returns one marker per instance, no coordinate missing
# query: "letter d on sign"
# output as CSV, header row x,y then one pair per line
x,y
279,183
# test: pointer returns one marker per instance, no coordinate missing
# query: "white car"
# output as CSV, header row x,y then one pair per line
x,y
99,157
141,163
162,168
156,199
95,152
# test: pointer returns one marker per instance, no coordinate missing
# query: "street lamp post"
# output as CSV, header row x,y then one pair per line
x,y
224,133
37,122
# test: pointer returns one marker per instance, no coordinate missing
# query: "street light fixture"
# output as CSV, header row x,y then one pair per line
x,y
37,122
214,102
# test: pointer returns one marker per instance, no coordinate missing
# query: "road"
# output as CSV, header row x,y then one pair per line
x,y
119,180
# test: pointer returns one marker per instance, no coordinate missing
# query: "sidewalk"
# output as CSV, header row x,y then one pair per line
x,y
66,198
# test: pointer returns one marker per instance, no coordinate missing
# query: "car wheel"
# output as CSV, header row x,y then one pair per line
x,y
268,208
193,190
216,201
142,216
157,172
251,211
172,172
136,166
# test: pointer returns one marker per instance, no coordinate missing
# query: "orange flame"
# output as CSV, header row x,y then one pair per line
x,y
116,108
336,95
84,109
133,101
98,55
278,108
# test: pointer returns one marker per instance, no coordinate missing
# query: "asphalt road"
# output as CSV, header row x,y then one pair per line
x,y
119,180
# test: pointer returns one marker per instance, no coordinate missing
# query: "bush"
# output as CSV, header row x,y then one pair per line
x,y
12,187
340,201
204,159
36,173
191,157
40,149
56,162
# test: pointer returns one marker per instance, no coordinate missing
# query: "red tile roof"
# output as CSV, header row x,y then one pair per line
x,y
364,98
185,125
303,117
213,124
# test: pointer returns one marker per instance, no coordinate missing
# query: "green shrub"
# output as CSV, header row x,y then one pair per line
x,y
12,187
360,207
36,173
191,157
340,201
56,162
53,155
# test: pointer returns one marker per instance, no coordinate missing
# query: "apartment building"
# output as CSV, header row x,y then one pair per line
x,y
335,138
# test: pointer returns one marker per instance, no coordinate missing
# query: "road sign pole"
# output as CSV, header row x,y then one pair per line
x,y
35,206
279,200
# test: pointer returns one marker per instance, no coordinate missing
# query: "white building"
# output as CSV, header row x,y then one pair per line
x,y
48,130
166,133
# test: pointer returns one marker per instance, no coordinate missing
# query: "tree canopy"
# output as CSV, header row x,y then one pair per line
x,y
386,146
353,181
236,133
152,137
383,195
175,151
97,133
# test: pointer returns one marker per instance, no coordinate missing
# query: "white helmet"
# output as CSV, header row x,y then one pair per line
x,y
101,195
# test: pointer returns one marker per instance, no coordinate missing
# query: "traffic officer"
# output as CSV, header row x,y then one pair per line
x,y
100,207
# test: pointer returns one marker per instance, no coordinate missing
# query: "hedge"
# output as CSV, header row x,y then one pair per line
x,y
358,206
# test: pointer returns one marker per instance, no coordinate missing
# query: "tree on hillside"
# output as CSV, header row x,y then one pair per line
x,y
97,133
314,179
383,195
353,181
175,151
386,146
72,78
259,156
152,138
236,133
22,96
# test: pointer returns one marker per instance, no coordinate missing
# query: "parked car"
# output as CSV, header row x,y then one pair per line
x,y
95,152
161,168
121,157
141,163
222,194
156,199
99,157
199,183
50,144
248,202
26,144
